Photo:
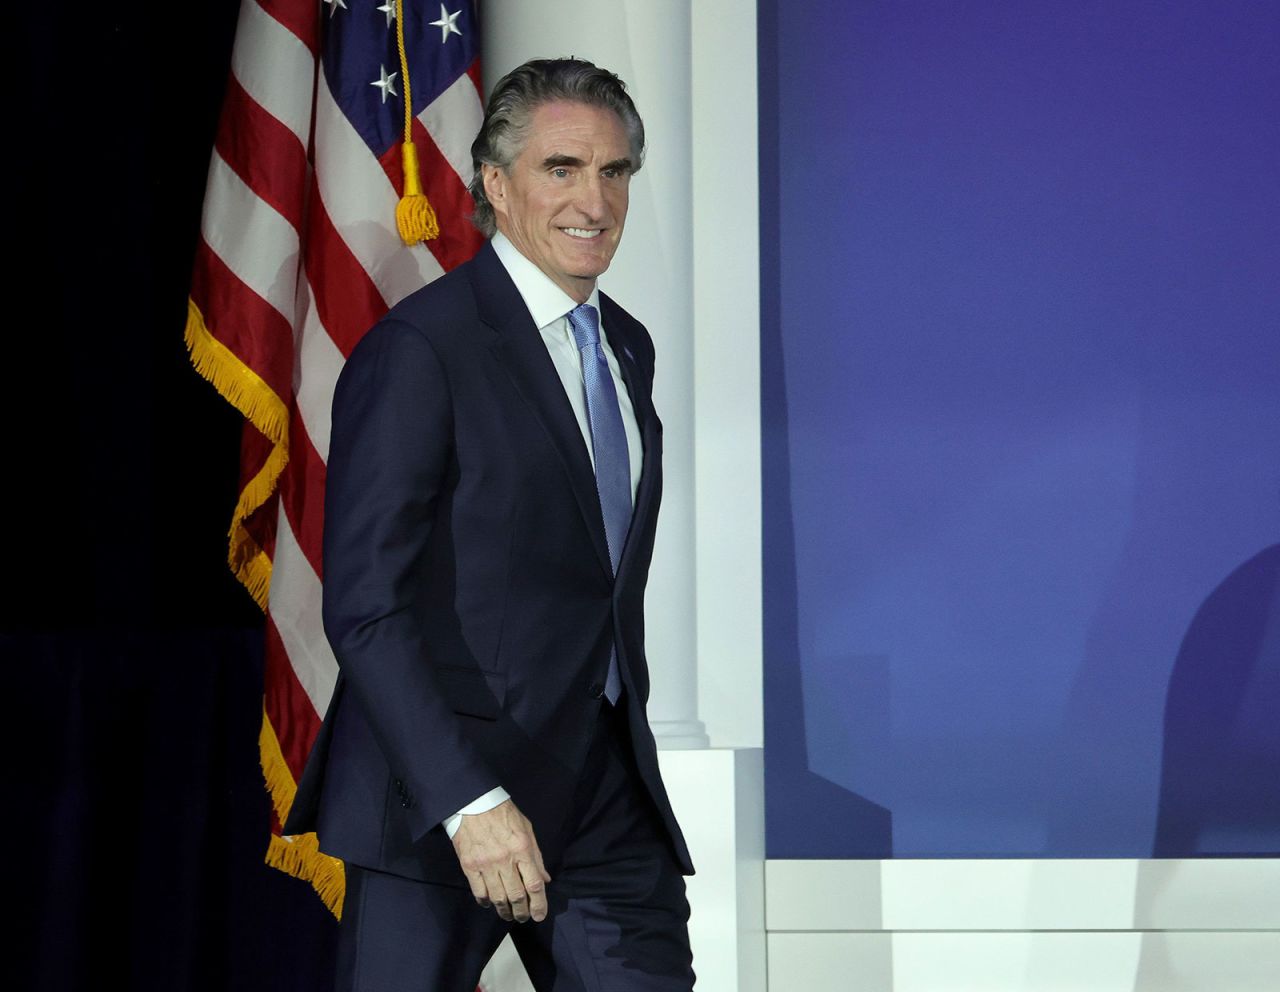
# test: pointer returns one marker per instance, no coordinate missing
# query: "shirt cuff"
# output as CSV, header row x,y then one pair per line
x,y
492,798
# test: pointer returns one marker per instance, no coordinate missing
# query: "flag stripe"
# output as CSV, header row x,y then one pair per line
x,y
265,154
295,610
476,76
319,363
361,203
446,194
274,62
253,240
302,494
346,299
243,321
302,17
451,198
289,708
453,119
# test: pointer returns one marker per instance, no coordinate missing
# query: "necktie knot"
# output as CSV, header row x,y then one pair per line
x,y
585,323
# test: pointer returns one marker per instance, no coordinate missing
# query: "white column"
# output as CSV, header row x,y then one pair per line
x,y
692,213
647,43
716,794
726,315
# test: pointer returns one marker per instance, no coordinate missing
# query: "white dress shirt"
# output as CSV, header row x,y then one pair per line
x,y
549,306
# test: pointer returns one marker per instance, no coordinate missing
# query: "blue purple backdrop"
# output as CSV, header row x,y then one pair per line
x,y
1021,406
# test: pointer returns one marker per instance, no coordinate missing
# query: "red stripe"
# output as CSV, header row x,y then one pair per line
x,y
346,298
242,320
264,153
476,77
302,493
302,17
458,239
254,449
261,523
287,704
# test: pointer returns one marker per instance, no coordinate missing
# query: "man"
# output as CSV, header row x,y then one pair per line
x,y
486,765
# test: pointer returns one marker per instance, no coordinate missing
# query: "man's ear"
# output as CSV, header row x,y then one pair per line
x,y
495,187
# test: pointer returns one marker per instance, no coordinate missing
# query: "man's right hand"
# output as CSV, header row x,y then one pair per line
x,y
503,865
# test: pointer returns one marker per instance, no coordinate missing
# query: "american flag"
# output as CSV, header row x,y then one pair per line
x,y
299,256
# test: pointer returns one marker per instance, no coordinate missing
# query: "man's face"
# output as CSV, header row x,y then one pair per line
x,y
564,200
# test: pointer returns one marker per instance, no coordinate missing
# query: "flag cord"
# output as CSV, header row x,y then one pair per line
x,y
404,72
415,218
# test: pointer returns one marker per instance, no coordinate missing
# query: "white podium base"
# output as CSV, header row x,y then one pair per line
x,y
718,797
679,735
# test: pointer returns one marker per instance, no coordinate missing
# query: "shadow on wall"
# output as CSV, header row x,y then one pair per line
x,y
1220,778
806,815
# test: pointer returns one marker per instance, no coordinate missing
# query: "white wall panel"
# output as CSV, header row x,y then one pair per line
x,y
1201,925
726,345
715,793
1025,962
1013,894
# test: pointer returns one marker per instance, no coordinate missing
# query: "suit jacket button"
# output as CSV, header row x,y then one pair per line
x,y
596,690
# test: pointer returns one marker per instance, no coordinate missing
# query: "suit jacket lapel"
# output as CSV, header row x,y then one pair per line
x,y
522,353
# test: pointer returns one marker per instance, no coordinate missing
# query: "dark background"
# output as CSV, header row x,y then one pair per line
x,y
133,784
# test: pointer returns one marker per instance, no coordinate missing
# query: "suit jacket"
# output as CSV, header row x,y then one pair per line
x,y
468,593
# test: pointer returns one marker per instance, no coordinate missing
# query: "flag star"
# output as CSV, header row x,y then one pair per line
x,y
388,8
447,24
334,5
387,83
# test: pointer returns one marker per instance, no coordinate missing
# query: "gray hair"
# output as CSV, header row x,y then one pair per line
x,y
510,109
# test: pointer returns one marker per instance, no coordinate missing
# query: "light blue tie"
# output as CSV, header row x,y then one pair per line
x,y
609,444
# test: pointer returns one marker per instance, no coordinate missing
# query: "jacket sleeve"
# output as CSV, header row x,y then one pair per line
x,y
389,455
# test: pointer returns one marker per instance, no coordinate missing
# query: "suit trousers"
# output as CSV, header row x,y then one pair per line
x,y
617,916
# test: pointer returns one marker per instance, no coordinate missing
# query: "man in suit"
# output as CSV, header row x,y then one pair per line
x,y
486,765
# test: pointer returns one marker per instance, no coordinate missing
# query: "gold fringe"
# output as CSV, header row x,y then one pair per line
x,y
242,387
258,403
250,564
247,392
300,856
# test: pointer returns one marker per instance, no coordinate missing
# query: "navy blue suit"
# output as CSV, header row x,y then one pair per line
x,y
468,594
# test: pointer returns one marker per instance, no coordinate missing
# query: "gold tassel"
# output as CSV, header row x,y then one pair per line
x,y
415,217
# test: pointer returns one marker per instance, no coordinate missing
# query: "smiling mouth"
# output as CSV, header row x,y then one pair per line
x,y
581,232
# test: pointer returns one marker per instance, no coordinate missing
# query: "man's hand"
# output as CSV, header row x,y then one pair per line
x,y
503,865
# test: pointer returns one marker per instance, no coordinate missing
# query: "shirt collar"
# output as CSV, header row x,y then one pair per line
x,y
545,301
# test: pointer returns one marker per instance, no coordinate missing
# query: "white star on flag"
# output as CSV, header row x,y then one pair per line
x,y
387,83
447,24
388,8
334,5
